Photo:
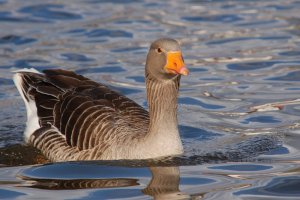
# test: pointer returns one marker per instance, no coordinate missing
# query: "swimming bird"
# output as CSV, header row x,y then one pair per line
x,y
70,117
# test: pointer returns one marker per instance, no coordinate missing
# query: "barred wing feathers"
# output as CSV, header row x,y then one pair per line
x,y
74,111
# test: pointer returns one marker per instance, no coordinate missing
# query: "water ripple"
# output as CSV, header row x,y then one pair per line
x,y
139,79
120,50
261,119
8,17
278,187
239,103
290,53
32,63
189,132
214,18
291,76
7,194
104,69
108,33
251,65
5,81
49,12
115,1
243,167
14,39
196,102
218,42
76,57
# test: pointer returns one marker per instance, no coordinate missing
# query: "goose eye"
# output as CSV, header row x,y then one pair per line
x,y
159,50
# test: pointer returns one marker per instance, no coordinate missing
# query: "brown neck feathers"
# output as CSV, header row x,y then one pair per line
x,y
162,101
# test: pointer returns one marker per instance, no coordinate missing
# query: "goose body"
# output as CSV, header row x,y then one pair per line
x,y
70,117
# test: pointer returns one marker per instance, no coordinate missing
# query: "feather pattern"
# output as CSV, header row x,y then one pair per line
x,y
71,117
79,109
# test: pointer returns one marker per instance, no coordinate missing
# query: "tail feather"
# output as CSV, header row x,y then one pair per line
x,y
32,117
43,94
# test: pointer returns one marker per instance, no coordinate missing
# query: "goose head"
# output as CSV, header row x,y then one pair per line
x,y
164,60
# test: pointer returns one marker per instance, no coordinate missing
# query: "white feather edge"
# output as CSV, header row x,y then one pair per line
x,y
32,123
27,70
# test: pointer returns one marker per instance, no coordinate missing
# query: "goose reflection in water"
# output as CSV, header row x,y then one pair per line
x,y
164,183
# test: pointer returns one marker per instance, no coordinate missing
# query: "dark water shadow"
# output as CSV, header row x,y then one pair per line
x,y
7,194
224,18
38,64
277,187
291,76
50,12
102,69
15,39
6,16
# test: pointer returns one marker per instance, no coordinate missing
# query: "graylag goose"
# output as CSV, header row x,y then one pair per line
x,y
70,117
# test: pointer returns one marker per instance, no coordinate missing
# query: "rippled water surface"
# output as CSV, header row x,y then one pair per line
x,y
238,109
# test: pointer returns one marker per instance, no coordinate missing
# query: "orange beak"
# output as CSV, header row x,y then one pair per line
x,y
175,64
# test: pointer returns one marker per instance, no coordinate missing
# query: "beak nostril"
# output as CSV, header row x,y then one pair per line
x,y
175,64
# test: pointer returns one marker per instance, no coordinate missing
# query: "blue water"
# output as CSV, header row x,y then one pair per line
x,y
238,109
